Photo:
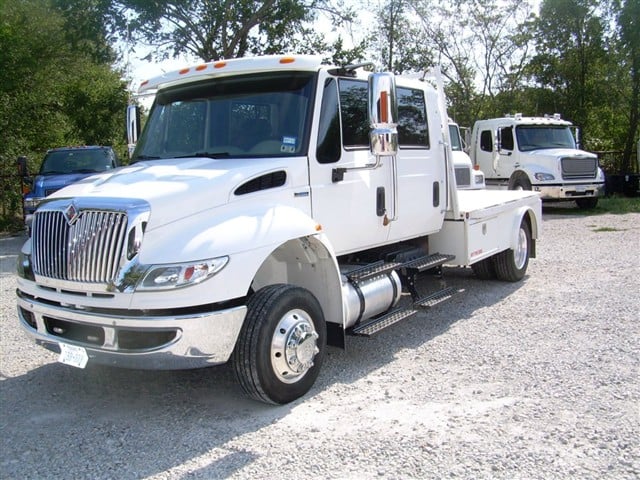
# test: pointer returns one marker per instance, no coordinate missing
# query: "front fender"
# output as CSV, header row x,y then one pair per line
x,y
247,237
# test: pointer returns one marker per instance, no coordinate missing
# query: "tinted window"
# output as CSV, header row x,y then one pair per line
x,y
329,147
506,139
486,142
412,119
353,109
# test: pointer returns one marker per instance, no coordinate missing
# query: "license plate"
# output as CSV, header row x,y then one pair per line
x,y
72,355
581,189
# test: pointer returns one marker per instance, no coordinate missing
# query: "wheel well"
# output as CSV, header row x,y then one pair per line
x,y
308,263
518,174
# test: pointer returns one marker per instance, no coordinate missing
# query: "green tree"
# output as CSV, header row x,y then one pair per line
x,y
570,45
212,30
52,92
629,26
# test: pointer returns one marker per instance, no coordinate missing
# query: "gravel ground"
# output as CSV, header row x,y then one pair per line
x,y
534,380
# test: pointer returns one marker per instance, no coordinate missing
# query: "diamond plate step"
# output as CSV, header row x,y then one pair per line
x,y
375,325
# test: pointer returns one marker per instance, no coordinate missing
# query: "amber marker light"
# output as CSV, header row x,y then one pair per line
x,y
144,83
219,64
183,71
285,60
199,68
318,227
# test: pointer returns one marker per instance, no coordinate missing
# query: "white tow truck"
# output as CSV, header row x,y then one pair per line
x,y
273,206
537,153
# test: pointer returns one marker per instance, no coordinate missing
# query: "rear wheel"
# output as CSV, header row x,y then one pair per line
x,y
281,345
511,264
484,269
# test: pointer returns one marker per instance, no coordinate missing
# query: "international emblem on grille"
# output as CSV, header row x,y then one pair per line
x,y
71,214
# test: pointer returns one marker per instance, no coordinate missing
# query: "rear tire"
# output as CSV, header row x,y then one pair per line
x,y
484,269
281,345
511,265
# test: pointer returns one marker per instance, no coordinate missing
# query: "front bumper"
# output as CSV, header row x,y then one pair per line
x,y
154,342
569,191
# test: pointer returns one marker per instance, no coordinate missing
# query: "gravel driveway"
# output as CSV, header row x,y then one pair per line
x,y
534,380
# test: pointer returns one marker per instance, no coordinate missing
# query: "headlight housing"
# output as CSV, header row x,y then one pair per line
x,y
179,275
32,202
544,177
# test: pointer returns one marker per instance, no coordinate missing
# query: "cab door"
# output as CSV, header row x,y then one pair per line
x,y
348,196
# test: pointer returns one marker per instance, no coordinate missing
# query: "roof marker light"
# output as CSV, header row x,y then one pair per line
x,y
287,60
219,64
201,67
183,71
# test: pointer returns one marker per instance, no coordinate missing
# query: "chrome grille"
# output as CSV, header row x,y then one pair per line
x,y
463,177
90,250
579,167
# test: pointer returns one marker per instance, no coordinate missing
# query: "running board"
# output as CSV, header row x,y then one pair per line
x,y
372,270
427,262
437,297
374,325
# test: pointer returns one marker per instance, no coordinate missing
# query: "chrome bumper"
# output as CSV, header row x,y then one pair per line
x,y
569,192
149,342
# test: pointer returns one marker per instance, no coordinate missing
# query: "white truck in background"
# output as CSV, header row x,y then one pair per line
x,y
539,154
468,175
273,206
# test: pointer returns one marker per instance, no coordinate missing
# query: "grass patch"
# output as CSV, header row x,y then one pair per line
x,y
615,204
606,229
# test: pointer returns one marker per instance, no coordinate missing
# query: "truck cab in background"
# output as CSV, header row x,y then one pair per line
x,y
64,166
468,175
539,154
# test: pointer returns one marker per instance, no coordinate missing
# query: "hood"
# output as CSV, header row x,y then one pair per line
x,y
560,153
46,184
175,188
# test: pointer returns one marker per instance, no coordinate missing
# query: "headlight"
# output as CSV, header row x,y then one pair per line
x,y
478,178
544,177
165,277
24,267
32,202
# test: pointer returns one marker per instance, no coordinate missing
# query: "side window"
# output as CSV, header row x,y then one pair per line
x,y
353,110
506,138
412,119
329,146
486,142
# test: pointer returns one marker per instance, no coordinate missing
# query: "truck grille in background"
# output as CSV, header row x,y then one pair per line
x,y
87,251
579,167
463,177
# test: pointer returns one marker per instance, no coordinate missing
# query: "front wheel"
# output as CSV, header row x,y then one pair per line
x,y
511,264
281,345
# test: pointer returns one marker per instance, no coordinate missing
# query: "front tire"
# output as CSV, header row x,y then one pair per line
x,y
511,265
520,182
281,345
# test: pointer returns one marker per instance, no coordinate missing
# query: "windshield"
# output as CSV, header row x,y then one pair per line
x,y
77,161
251,115
456,142
535,137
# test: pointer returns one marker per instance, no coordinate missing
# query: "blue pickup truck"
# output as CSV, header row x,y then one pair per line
x,y
64,166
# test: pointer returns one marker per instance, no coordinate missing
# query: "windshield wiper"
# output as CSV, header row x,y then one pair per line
x,y
206,154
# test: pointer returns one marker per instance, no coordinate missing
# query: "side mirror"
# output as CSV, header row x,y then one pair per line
x,y
23,169
133,127
383,114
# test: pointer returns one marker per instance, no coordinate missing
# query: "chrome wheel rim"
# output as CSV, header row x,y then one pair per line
x,y
521,252
293,346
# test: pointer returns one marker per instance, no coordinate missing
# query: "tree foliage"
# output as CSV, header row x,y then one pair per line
x,y
57,86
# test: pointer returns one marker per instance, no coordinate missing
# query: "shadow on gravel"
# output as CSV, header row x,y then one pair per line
x,y
113,423
364,355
